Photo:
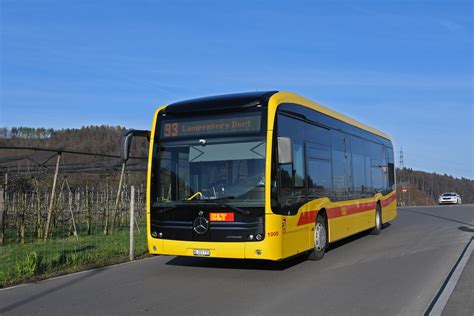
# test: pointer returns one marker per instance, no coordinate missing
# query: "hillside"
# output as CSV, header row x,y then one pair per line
x,y
97,139
424,188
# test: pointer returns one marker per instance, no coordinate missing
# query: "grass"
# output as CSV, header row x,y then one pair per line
x,y
42,259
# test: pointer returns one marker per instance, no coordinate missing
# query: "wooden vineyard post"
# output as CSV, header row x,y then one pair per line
x,y
39,232
106,211
72,216
88,209
132,225
3,209
117,199
51,201
23,205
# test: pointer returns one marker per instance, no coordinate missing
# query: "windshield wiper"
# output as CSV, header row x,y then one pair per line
x,y
238,210
178,203
166,210
207,201
223,198
223,202
234,208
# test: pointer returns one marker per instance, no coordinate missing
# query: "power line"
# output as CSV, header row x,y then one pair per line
x,y
19,164
60,150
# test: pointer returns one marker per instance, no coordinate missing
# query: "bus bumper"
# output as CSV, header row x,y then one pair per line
x,y
270,248
236,250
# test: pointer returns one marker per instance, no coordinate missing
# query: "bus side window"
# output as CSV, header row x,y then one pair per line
x,y
376,155
368,173
319,171
291,187
358,167
391,169
340,172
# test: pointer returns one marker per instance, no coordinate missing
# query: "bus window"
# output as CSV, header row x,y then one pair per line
x,y
368,172
298,164
291,191
339,165
317,134
319,171
391,169
376,154
358,166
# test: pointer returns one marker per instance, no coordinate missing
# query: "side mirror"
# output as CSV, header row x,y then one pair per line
x,y
285,153
126,141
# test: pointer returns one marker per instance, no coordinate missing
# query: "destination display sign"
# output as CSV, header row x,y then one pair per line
x,y
182,128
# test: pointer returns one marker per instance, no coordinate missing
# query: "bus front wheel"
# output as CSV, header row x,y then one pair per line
x,y
320,239
378,221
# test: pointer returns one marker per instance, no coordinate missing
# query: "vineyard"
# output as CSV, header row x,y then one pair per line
x,y
64,211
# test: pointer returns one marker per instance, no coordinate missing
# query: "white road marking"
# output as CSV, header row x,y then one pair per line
x,y
443,298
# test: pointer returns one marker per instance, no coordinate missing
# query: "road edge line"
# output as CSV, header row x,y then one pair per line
x,y
438,303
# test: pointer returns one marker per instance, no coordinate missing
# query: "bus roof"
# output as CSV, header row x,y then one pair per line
x,y
249,99
288,97
219,103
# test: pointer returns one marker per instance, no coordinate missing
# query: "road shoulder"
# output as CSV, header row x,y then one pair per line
x,y
461,301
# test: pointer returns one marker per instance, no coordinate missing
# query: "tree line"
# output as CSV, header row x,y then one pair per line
x,y
102,139
425,188
26,132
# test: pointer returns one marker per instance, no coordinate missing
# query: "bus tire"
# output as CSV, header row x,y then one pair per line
x,y
378,221
320,239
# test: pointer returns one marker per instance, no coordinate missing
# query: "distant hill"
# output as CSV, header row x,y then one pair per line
x,y
424,188
97,139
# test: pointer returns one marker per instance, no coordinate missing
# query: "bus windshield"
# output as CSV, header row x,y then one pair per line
x,y
218,169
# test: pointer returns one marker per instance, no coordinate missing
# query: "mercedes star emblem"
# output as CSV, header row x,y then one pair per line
x,y
201,225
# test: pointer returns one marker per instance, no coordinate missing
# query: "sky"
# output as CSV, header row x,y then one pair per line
x,y
404,67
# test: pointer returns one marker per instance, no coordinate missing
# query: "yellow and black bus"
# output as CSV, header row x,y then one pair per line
x,y
263,175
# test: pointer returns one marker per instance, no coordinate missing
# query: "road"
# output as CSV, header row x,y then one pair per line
x,y
396,273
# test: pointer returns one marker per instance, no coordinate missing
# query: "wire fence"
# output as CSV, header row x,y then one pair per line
x,y
60,213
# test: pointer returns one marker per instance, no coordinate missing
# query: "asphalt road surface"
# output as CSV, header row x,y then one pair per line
x,y
396,273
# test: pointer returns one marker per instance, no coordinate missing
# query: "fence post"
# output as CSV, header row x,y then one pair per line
x,y
117,199
106,211
132,214
72,216
2,223
51,202
4,210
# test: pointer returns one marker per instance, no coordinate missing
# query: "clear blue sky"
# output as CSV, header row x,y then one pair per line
x,y
405,67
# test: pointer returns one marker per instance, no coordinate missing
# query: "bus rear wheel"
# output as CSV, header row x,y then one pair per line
x,y
320,239
378,221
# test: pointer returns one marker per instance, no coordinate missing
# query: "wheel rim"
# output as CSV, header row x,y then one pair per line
x,y
378,222
319,237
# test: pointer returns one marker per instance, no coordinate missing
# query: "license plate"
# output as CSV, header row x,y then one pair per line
x,y
202,252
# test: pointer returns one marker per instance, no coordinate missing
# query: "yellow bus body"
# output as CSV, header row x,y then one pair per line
x,y
286,236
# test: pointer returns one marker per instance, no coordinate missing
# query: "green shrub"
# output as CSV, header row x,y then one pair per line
x,y
30,266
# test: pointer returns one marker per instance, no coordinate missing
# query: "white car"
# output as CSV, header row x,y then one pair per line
x,y
449,198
